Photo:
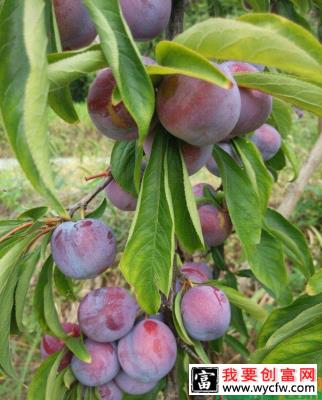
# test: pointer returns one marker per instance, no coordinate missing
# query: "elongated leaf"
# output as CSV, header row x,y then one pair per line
x,y
6,304
99,211
37,388
123,56
182,374
259,38
242,200
175,55
187,222
293,240
70,65
52,377
281,316
254,166
27,270
178,321
287,88
268,264
23,91
240,301
314,285
64,285
34,213
150,248
123,164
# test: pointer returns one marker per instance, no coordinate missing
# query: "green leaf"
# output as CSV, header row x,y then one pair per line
x,y
61,102
299,93
200,351
69,378
258,38
314,285
28,268
187,222
52,377
256,170
293,240
257,5
267,261
99,211
178,321
240,301
34,213
37,388
182,374
123,164
175,56
242,200
64,285
6,306
237,346
23,91
58,390
124,58
68,66
152,395
150,248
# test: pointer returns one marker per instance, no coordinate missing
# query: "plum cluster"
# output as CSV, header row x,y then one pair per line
x,y
131,353
145,18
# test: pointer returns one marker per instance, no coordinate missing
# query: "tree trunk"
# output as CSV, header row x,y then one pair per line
x,y
296,189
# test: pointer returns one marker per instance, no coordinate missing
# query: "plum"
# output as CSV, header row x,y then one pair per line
x,y
148,352
195,157
146,18
83,249
196,271
198,112
268,141
132,386
103,367
110,391
75,27
215,221
199,189
256,106
212,164
206,312
51,344
107,314
121,199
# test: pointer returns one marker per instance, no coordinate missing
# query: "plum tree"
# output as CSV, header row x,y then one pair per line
x,y
146,18
107,314
83,249
132,386
121,199
110,391
195,157
104,365
113,120
51,344
215,221
205,312
211,163
256,106
196,111
75,27
268,141
148,352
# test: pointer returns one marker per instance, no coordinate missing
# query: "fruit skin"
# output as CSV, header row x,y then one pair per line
x,y
206,312
268,141
199,189
51,344
215,221
107,314
198,112
132,386
212,164
110,391
83,249
74,24
195,157
146,18
197,271
121,199
256,106
148,352
102,369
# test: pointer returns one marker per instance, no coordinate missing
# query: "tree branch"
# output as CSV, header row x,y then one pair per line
x,y
84,202
177,17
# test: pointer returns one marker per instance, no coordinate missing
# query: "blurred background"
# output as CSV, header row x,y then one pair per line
x,y
80,150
